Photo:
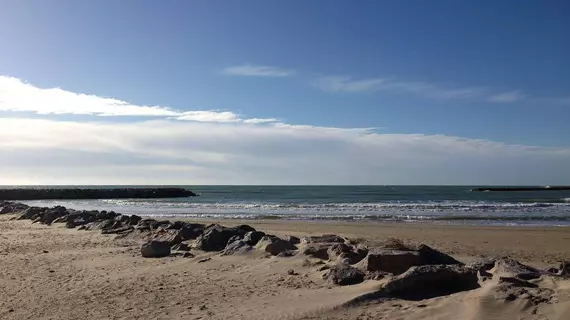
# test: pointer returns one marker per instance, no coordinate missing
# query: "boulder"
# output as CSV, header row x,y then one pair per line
x,y
181,247
118,230
317,250
191,231
155,249
432,256
325,238
170,236
392,261
133,220
293,239
30,213
245,228
343,275
216,237
235,238
48,216
483,264
70,224
346,254
253,237
287,253
337,249
565,268
507,267
13,207
424,282
274,245
236,247
146,224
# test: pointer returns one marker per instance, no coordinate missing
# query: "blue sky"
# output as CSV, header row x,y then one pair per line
x,y
493,72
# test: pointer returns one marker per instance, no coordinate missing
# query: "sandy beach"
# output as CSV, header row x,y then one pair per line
x,y
52,272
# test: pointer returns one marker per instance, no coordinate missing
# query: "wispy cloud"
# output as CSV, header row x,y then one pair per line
x,y
346,84
507,97
338,84
250,70
16,95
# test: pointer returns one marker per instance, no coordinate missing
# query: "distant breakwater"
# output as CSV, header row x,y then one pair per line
x,y
92,193
545,188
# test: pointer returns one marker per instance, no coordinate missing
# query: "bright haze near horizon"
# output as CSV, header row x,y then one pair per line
x,y
285,92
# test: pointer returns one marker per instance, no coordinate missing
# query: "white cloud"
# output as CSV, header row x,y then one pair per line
x,y
337,84
222,147
16,95
260,120
178,152
507,97
209,116
250,70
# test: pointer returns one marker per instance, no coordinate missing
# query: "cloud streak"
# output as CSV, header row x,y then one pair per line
x,y
249,70
178,152
18,96
338,84
507,97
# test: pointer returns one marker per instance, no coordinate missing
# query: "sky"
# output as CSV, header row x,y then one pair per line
x,y
285,92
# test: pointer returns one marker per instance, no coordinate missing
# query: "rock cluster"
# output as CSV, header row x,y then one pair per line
x,y
414,272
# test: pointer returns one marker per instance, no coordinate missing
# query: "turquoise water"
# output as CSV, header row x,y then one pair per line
x,y
441,204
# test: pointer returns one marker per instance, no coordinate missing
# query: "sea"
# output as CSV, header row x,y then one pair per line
x,y
401,204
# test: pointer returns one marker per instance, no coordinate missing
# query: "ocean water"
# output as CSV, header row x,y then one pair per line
x,y
435,204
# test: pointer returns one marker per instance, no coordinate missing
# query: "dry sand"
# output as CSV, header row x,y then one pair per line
x,y
50,272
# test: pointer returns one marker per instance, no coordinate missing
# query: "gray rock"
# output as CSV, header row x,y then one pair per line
x,y
274,245
317,250
31,213
483,264
293,239
343,275
432,256
335,251
565,268
392,261
237,247
235,238
253,237
171,236
181,247
507,267
118,230
287,253
133,220
191,231
325,238
70,224
155,249
216,237
552,270
423,282
244,228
